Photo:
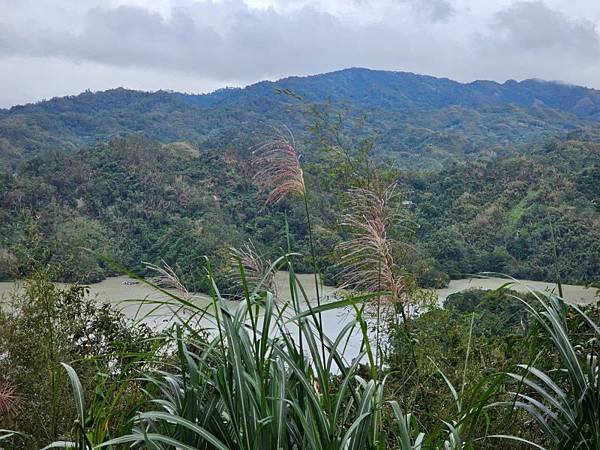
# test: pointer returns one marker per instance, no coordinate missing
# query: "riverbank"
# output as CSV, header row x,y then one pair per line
x,y
118,290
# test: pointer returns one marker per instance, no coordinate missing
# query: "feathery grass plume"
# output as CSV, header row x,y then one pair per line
x,y
367,263
8,397
167,277
278,167
280,173
256,269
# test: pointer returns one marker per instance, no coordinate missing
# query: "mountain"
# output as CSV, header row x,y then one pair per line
x,y
508,170
421,121
136,200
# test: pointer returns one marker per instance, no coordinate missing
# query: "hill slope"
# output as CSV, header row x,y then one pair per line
x,y
419,120
136,200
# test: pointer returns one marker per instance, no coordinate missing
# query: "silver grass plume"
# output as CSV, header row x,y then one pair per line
x,y
367,262
8,397
278,169
256,269
166,276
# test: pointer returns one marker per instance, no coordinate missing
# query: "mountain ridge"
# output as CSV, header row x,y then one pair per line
x,y
227,91
418,120
236,89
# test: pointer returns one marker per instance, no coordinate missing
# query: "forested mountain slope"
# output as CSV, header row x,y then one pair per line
x,y
421,121
137,200
506,215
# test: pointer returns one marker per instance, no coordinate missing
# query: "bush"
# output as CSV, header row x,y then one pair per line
x,y
44,325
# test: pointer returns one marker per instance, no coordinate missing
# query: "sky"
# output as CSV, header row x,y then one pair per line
x,y
62,47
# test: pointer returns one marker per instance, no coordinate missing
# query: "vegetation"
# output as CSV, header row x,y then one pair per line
x,y
421,121
45,325
506,216
489,370
488,172
135,200
260,380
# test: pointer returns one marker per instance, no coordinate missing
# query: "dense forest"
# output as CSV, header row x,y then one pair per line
x,y
135,200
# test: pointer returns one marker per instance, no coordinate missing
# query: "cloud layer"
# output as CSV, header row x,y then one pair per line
x,y
198,45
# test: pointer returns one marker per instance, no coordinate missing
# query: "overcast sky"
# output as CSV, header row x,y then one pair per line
x,y
58,47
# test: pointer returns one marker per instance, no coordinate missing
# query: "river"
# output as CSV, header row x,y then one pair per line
x,y
126,297
573,294
116,291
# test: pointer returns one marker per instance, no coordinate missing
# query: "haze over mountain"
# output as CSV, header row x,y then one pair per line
x,y
419,120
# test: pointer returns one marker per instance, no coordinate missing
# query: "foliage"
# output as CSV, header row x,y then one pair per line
x,y
499,216
135,200
420,121
269,377
253,386
496,313
545,347
465,346
44,325
566,402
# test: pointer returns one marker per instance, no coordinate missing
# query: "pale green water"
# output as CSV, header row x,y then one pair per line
x,y
127,297
572,293
116,292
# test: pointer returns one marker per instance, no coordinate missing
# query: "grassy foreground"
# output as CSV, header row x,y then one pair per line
x,y
263,381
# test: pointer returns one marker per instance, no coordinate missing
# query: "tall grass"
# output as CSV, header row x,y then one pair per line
x,y
367,262
280,173
565,401
250,387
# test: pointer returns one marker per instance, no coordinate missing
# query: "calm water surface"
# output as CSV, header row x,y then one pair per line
x,y
126,297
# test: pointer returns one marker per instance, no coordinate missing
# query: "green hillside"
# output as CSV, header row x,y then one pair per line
x,y
138,200
421,121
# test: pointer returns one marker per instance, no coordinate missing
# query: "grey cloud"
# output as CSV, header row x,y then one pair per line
x,y
251,43
529,39
433,10
532,26
230,41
